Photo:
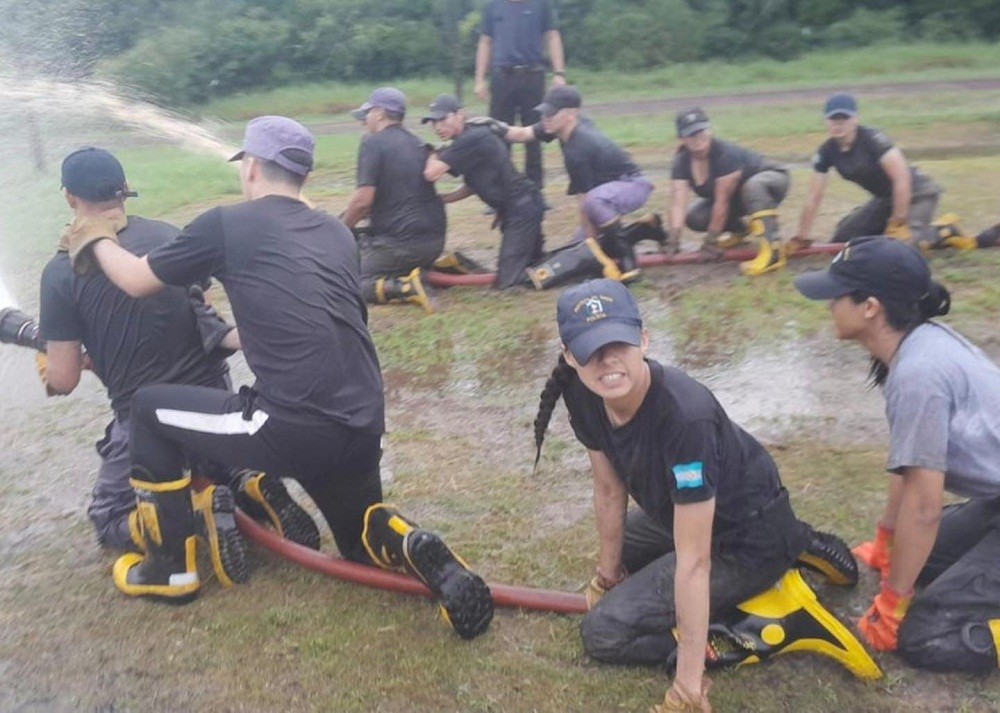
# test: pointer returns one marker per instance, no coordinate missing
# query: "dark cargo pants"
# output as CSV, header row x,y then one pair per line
x,y
522,239
514,94
764,191
391,256
872,218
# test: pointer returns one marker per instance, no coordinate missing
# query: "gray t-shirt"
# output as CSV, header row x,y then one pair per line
x,y
942,400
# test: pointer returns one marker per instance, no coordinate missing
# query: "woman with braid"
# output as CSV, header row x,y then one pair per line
x,y
702,566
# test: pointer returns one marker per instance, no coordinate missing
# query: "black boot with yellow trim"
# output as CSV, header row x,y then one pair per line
x,y
784,619
393,542
950,234
168,568
830,556
648,227
264,497
215,523
616,245
407,289
579,261
770,251
457,263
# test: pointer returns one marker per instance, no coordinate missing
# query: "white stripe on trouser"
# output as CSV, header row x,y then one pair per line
x,y
228,424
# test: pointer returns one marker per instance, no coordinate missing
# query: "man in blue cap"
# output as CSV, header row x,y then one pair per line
x,y
316,410
903,199
407,219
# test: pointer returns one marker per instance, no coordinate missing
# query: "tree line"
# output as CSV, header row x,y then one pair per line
x,y
190,51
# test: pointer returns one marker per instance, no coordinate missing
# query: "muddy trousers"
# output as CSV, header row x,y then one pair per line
x,y
763,191
337,466
522,241
946,627
514,94
872,218
392,256
633,623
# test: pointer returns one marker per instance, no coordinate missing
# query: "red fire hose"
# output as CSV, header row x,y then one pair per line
x,y
441,279
503,595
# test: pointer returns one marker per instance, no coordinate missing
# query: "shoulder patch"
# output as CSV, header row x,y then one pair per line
x,y
689,475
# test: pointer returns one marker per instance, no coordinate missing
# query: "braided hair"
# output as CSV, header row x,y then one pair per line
x,y
905,317
557,382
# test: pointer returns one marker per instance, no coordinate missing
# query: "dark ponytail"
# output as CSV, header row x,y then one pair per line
x,y
554,388
905,317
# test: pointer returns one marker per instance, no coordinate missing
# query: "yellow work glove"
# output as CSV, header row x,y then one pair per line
x,y
85,230
678,698
599,585
898,230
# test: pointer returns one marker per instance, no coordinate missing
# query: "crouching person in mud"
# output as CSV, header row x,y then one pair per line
x,y
943,406
173,337
702,574
316,411
608,186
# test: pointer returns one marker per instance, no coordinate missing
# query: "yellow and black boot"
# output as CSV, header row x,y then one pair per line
x,y
215,523
580,261
263,497
989,238
734,238
951,235
407,289
168,568
648,227
613,242
770,251
830,556
456,263
393,542
784,619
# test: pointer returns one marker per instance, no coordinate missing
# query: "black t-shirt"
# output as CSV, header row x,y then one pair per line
x,y
406,206
132,342
291,274
724,158
680,447
516,30
591,158
483,161
859,164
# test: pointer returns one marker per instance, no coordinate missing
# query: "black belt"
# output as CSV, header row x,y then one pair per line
x,y
520,68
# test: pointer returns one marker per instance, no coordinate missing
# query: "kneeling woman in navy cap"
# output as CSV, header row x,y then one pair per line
x,y
943,406
704,564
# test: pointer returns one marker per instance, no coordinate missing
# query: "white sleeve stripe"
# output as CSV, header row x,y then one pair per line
x,y
228,424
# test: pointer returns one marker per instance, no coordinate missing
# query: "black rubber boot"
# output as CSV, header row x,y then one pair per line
x,y
263,497
579,261
168,568
215,523
393,542
648,227
830,556
613,241
408,289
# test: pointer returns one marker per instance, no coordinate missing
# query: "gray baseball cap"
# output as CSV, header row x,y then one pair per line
x,y
442,105
388,98
558,98
268,137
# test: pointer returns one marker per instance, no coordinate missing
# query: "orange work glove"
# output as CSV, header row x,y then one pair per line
x,y
898,230
679,698
880,626
600,584
875,553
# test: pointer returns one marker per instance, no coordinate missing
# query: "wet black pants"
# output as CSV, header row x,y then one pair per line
x,y
521,245
514,94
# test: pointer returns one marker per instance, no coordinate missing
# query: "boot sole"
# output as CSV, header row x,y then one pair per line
x,y
830,556
226,546
465,601
287,516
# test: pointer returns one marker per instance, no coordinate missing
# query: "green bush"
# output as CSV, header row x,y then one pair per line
x,y
642,34
863,28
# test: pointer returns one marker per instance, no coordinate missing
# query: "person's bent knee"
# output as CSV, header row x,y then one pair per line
x,y
932,640
604,639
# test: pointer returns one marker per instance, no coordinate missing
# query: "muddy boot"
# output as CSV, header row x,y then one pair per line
x,y
989,238
168,567
455,263
830,556
403,289
263,497
215,523
648,227
734,238
770,251
581,261
393,542
784,619
613,242
951,235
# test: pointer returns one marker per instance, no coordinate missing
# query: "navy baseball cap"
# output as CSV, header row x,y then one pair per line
x,y
281,140
94,175
840,104
691,121
558,98
596,313
875,265
388,98
442,105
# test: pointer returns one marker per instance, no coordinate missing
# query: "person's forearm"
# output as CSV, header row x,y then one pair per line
x,y
556,55
129,273
356,211
460,193
483,51
520,135
806,218
609,512
691,596
895,496
720,211
901,195
232,340
916,529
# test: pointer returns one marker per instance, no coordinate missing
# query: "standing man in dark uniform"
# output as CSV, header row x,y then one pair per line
x,y
483,161
511,41
407,217
903,199
317,408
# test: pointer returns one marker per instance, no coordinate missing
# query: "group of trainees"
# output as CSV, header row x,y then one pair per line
x,y
738,193
702,573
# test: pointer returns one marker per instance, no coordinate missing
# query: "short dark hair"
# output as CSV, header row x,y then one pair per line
x,y
273,171
396,116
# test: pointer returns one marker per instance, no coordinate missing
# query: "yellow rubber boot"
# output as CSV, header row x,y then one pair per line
x,y
407,289
951,235
771,252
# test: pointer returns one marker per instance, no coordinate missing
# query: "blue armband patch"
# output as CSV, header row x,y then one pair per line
x,y
689,475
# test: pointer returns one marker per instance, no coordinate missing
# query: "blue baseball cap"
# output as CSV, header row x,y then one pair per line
x,y
281,140
596,313
388,98
840,104
94,175
875,265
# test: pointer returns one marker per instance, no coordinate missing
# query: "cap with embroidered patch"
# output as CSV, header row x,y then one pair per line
x,y
596,313
690,121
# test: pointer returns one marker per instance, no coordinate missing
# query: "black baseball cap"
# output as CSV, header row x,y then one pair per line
x,y
442,105
558,98
875,265
94,175
691,121
840,104
596,313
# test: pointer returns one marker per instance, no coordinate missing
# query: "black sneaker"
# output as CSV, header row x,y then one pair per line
x,y
263,497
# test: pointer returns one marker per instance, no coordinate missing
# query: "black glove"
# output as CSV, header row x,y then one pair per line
x,y
18,328
499,128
